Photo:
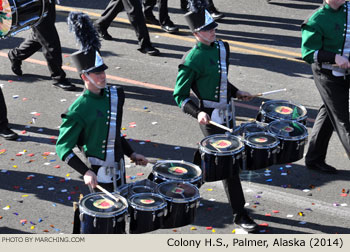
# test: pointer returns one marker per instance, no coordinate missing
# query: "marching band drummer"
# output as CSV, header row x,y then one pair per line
x,y
204,70
94,119
326,46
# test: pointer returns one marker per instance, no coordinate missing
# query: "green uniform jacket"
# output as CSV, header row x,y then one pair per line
x,y
323,34
200,71
86,125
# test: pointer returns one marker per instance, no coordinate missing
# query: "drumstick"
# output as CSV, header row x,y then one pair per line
x,y
216,148
106,192
221,126
152,161
270,92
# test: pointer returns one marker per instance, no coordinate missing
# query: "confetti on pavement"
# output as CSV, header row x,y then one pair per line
x,y
264,224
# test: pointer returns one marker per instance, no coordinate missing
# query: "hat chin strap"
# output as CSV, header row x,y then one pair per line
x,y
93,82
204,38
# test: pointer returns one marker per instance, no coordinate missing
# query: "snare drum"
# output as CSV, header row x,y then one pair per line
x,y
22,14
261,150
175,170
221,156
182,199
147,211
281,110
293,136
100,214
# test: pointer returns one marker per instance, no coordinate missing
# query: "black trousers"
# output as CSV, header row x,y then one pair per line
x,y
232,186
148,6
3,112
44,36
332,115
134,10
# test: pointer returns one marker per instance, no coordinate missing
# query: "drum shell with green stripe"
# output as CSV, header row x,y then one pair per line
x,y
281,110
293,138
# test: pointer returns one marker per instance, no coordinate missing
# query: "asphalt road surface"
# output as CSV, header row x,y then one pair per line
x,y
37,190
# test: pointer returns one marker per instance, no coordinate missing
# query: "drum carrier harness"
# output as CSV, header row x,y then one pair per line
x,y
224,110
110,170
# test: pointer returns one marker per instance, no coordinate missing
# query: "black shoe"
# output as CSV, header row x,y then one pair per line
x,y
15,65
150,50
170,27
321,166
103,33
152,20
246,223
216,15
65,84
8,134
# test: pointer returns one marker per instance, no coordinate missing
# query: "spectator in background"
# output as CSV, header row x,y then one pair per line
x,y
134,10
215,14
5,131
164,20
44,36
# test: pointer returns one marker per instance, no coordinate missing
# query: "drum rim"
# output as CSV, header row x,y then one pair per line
x,y
191,180
126,189
137,207
241,127
176,200
137,186
300,118
269,146
91,213
224,153
290,138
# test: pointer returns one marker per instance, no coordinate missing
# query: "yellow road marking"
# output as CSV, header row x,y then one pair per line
x,y
233,44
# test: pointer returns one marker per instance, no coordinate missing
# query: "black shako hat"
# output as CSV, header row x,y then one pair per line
x,y
88,58
198,18
88,61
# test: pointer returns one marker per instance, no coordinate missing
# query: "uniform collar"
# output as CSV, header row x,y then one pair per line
x,y
329,8
206,47
96,96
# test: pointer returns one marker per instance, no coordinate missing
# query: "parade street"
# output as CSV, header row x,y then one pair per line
x,y
37,189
